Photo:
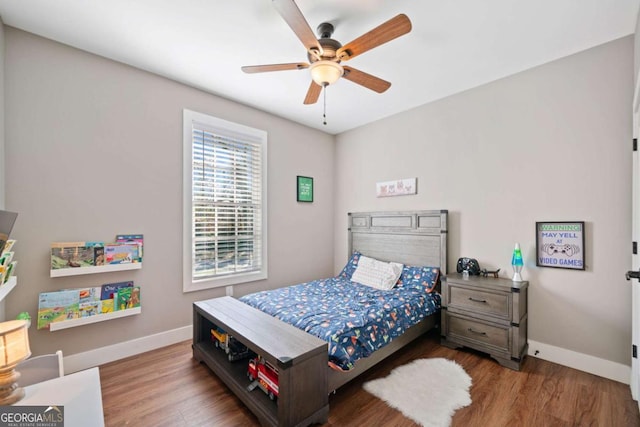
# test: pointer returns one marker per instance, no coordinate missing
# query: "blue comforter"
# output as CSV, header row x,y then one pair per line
x,y
353,318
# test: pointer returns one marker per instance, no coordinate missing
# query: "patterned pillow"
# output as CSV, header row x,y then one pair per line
x,y
350,267
425,277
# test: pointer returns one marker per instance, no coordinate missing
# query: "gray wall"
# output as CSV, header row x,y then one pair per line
x,y
549,144
94,148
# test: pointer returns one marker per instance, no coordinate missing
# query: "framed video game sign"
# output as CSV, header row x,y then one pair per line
x,y
560,244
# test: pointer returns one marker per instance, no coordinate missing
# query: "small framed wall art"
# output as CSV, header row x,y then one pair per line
x,y
398,187
304,189
560,244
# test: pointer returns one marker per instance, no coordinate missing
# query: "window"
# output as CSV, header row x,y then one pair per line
x,y
225,236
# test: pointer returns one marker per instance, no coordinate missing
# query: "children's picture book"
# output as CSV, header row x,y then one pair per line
x,y
135,297
120,253
106,306
127,298
11,271
6,258
73,254
58,306
98,255
132,239
110,290
8,245
90,294
123,298
90,308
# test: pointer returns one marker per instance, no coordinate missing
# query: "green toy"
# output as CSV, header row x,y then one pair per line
x,y
24,316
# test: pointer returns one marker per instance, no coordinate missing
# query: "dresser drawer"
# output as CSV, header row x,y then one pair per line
x,y
480,301
478,332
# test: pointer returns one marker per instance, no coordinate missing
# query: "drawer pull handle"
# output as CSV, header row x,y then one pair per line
x,y
478,300
484,334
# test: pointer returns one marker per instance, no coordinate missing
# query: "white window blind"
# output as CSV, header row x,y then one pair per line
x,y
226,202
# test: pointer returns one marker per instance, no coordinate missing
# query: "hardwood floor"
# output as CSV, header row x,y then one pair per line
x,y
166,387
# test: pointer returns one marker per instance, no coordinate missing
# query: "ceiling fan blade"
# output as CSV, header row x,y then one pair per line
x,y
367,80
292,15
393,28
250,69
313,93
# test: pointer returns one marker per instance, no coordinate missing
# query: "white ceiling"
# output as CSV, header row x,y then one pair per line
x,y
454,45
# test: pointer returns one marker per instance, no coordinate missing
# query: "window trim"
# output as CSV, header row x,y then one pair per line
x,y
188,284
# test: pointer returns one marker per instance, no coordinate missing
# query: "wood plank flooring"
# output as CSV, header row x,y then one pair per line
x,y
166,387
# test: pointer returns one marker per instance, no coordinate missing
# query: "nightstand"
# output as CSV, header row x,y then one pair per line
x,y
487,314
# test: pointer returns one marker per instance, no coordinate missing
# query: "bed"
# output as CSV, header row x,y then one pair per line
x,y
362,324
414,238
355,319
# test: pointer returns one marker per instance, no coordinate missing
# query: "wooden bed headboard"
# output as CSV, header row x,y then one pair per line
x,y
410,237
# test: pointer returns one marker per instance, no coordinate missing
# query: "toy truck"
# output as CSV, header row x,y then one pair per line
x,y
234,349
219,338
263,375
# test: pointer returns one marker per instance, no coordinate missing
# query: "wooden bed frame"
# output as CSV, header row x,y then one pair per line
x,y
417,238
410,237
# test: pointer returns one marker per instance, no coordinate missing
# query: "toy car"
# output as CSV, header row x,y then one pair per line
x,y
264,375
235,349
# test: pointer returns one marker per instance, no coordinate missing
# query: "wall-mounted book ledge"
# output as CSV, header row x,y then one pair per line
x,y
76,258
65,324
68,308
77,271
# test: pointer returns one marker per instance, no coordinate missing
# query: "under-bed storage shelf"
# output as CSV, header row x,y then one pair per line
x,y
301,360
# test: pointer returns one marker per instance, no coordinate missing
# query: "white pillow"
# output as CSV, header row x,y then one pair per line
x,y
377,274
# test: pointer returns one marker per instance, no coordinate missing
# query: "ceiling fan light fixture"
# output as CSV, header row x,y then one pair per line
x,y
326,72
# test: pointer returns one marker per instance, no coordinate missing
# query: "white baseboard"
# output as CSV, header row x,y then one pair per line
x,y
79,361
583,362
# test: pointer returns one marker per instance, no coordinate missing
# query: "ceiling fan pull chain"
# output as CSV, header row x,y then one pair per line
x,y
324,112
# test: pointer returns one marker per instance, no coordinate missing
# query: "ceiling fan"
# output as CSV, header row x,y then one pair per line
x,y
325,54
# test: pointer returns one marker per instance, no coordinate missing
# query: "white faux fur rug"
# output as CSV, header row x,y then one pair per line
x,y
429,391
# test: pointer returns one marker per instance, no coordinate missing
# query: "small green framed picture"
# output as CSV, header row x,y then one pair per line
x,y
305,189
